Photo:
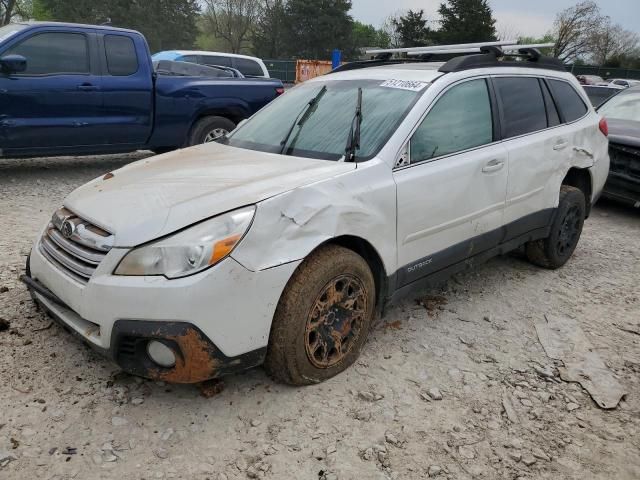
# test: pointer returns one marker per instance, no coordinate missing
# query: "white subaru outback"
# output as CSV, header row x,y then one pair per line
x,y
280,243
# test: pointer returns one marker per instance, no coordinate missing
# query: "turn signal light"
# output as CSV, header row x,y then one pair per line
x,y
604,127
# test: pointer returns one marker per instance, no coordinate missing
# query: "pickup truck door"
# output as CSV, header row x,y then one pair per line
x,y
451,195
57,101
128,88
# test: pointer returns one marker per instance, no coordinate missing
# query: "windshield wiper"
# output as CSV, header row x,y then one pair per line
x,y
353,141
301,119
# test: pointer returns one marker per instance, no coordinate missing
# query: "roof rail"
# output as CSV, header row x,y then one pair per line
x,y
489,54
421,50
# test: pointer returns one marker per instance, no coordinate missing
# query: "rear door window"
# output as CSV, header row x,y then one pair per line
x,y
569,101
121,55
216,60
248,67
523,106
54,53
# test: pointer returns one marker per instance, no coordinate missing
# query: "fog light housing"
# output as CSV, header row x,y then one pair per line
x,y
161,354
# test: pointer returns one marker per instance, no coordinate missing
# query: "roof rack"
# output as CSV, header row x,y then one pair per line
x,y
487,54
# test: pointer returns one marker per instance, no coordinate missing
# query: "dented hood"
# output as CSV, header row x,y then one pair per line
x,y
160,195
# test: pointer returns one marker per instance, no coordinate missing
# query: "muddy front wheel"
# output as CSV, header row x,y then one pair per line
x,y
323,317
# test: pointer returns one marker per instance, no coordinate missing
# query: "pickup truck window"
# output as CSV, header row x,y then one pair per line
x,y
54,53
121,55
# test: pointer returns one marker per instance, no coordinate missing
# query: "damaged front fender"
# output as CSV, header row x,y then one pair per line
x,y
288,227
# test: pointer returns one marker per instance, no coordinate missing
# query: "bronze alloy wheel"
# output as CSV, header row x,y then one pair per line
x,y
335,321
323,317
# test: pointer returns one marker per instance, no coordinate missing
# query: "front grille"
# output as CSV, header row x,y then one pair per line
x,y
625,160
74,245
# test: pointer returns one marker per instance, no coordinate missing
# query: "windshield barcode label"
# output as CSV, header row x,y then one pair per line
x,y
412,85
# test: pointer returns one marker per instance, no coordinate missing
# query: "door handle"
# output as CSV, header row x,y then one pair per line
x,y
493,166
87,87
561,145
583,151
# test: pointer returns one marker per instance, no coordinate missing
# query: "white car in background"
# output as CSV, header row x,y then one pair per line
x,y
623,82
280,244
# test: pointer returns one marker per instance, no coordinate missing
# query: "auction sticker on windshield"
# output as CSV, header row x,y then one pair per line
x,y
413,85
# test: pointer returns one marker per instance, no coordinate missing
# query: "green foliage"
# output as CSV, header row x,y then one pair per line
x,y
548,38
316,27
167,24
368,36
412,30
269,35
465,21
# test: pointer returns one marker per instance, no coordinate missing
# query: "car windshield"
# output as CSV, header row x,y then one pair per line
x,y
11,29
624,106
323,113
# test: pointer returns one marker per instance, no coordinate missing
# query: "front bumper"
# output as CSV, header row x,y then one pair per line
x,y
217,322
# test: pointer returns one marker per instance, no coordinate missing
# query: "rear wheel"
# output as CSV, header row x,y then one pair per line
x,y
209,129
555,250
323,317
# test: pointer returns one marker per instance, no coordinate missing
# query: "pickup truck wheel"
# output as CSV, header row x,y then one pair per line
x,y
323,317
555,250
209,129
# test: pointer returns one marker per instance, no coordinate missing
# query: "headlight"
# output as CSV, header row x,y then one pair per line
x,y
190,251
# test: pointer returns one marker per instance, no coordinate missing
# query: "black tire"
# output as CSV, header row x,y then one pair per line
x,y
323,317
555,250
202,130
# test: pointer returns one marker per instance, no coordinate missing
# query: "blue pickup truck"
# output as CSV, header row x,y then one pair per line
x,y
82,89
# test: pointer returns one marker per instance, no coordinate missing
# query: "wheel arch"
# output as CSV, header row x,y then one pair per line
x,y
369,253
581,179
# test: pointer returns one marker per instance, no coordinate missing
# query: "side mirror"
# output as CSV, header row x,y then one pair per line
x,y
13,63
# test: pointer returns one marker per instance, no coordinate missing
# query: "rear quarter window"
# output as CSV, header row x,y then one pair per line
x,y
122,59
568,100
523,106
248,67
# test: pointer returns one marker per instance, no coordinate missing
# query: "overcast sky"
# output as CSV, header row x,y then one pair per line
x,y
515,17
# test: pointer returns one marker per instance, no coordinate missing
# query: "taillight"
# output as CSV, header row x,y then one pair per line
x,y
604,127
279,91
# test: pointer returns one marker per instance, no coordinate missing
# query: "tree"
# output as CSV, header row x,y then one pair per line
x,y
389,30
612,41
270,31
412,29
167,24
463,21
10,9
548,38
368,36
574,28
232,20
316,27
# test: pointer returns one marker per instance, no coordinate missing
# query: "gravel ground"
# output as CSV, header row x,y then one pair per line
x,y
425,399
